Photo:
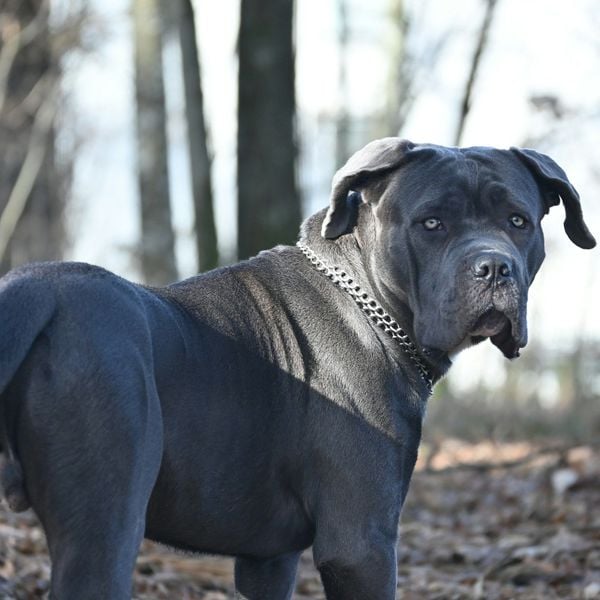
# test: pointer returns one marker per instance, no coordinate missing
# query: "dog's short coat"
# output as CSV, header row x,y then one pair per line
x,y
254,410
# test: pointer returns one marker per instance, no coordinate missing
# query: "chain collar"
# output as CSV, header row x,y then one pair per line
x,y
372,309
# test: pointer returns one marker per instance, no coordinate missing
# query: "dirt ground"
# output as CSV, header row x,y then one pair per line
x,y
488,521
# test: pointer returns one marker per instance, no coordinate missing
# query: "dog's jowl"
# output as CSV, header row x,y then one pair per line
x,y
262,408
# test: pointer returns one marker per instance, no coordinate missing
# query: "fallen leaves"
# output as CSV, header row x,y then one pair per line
x,y
482,521
497,512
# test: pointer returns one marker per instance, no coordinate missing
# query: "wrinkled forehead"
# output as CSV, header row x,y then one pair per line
x,y
474,175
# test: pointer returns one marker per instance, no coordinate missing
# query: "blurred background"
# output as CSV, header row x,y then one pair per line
x,y
163,138
160,139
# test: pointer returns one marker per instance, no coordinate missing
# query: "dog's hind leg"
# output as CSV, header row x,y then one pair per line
x,y
272,578
90,447
92,503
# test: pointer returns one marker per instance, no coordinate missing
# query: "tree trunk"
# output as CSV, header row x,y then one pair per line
x,y
200,162
157,237
480,46
400,80
268,199
31,202
342,126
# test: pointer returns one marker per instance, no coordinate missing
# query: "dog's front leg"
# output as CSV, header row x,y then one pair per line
x,y
272,578
359,571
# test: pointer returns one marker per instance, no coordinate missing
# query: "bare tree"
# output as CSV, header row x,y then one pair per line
x,y
401,80
268,198
157,239
200,160
412,54
480,46
32,205
342,129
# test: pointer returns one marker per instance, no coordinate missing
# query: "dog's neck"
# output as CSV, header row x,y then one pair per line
x,y
347,253
343,252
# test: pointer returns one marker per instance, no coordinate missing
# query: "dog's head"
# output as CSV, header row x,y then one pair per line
x,y
453,233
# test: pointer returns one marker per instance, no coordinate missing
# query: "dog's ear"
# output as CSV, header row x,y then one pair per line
x,y
555,185
376,157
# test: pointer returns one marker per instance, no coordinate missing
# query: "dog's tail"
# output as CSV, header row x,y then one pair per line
x,y
27,304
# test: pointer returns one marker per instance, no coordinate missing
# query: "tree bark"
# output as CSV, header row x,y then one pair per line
x,y
200,160
268,199
157,237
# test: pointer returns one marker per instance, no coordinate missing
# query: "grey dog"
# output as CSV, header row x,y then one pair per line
x,y
259,409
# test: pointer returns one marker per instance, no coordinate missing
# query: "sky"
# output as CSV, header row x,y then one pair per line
x,y
537,47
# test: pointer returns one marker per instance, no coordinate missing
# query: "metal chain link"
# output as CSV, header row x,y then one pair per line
x,y
371,308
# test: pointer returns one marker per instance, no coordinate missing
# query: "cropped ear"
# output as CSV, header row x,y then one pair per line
x,y
555,185
376,157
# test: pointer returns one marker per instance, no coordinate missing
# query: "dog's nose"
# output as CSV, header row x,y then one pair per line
x,y
492,266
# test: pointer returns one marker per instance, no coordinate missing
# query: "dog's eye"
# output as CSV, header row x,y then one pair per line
x,y
518,221
431,224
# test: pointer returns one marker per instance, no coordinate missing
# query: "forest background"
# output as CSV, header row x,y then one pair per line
x,y
159,139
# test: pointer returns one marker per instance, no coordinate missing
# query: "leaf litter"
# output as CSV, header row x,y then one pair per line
x,y
494,521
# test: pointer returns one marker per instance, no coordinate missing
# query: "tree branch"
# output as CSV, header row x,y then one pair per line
x,y
15,38
479,49
34,158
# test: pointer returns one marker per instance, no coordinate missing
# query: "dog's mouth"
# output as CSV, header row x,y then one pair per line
x,y
499,315
502,328
490,323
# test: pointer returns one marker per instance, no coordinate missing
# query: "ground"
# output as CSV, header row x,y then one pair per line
x,y
484,520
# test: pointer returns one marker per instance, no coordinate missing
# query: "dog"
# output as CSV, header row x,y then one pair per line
x,y
261,408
